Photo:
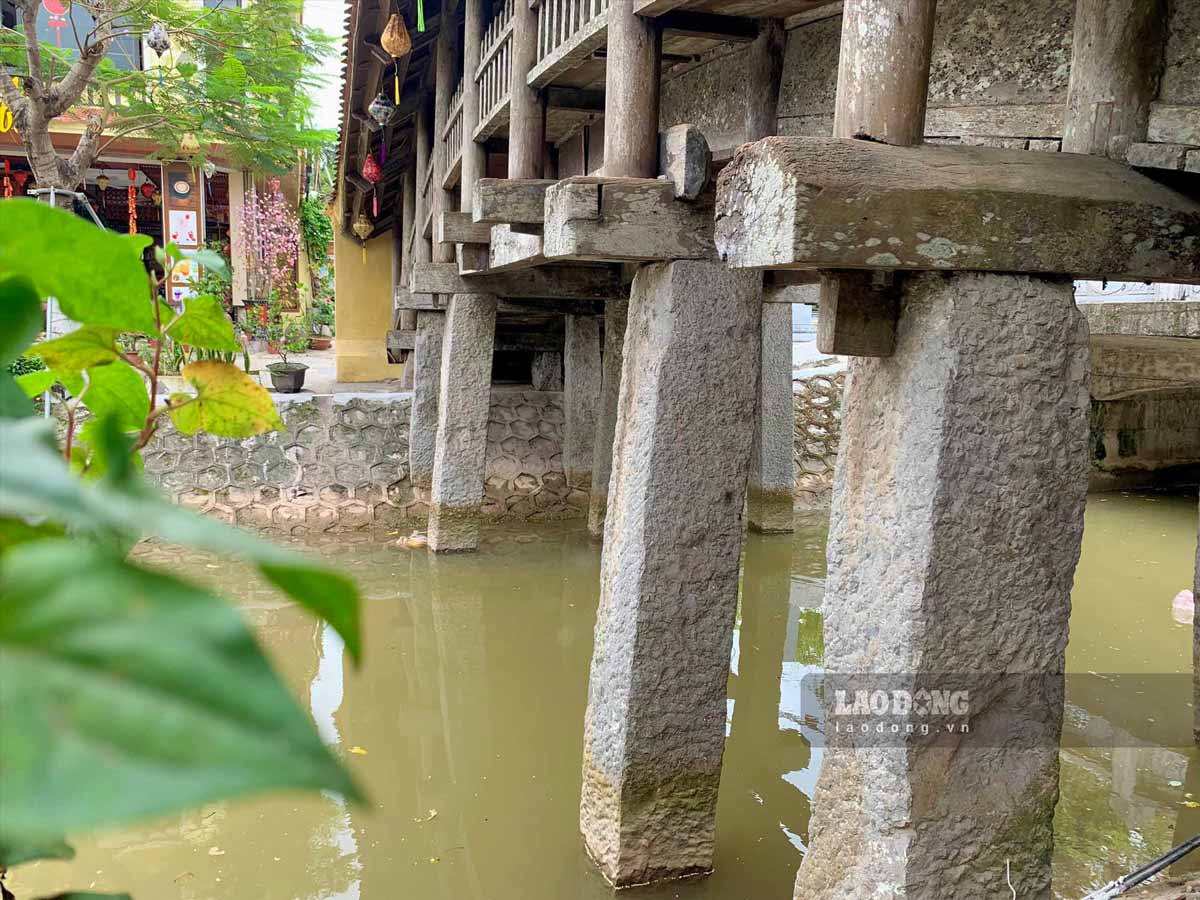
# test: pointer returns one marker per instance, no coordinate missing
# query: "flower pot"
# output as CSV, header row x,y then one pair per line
x,y
319,343
287,378
272,348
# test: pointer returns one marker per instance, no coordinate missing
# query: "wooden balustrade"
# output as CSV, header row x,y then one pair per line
x,y
568,32
451,143
494,74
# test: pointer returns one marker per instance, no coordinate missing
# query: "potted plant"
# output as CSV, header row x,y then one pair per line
x,y
321,322
288,377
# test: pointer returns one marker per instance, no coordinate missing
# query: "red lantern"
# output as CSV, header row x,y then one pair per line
x,y
132,173
148,189
20,178
372,172
8,191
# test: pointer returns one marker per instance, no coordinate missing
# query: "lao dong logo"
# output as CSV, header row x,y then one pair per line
x,y
902,703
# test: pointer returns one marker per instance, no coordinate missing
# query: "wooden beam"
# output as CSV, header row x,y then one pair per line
x,y
457,228
1115,66
574,99
398,339
859,314
828,11
844,204
708,26
624,219
548,282
511,250
502,200
654,8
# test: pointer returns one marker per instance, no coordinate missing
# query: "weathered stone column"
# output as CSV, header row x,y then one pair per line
x,y
772,466
655,724
581,398
616,315
426,364
463,402
955,530
546,373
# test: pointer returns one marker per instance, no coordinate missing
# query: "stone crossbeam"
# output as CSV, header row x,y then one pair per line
x,y
548,282
509,200
457,228
850,204
624,220
405,339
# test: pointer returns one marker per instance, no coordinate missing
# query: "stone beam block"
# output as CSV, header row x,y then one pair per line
x,y
509,200
457,228
546,283
849,204
624,220
685,160
512,250
858,313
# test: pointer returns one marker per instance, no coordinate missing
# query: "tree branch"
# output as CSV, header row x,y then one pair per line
x,y
65,93
33,49
88,148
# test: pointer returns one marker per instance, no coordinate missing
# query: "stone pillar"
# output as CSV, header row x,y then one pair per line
x,y
955,529
426,363
546,374
655,723
616,315
1196,645
581,398
463,401
772,461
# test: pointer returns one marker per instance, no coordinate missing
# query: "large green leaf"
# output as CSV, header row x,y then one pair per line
x,y
96,275
117,390
228,402
35,383
80,349
15,852
20,316
127,693
14,404
204,323
35,484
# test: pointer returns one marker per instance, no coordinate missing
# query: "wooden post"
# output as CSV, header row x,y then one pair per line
x,y
408,317
631,93
882,93
422,252
443,71
526,125
1117,54
473,257
883,70
764,74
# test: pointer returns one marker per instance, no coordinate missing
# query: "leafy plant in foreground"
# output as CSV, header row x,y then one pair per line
x,y
126,692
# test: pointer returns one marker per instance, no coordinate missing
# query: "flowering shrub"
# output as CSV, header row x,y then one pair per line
x,y
270,234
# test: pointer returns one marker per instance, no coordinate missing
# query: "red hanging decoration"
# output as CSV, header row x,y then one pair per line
x,y
132,201
148,189
8,189
372,172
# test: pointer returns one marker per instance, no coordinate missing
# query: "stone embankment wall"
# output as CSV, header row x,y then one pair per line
x,y
818,402
343,465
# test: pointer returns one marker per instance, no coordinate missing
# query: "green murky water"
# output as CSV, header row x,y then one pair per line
x,y
465,726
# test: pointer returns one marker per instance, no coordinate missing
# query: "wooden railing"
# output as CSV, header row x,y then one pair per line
x,y
494,75
452,139
568,32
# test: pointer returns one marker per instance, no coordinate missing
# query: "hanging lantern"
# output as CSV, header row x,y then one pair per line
x,y
148,189
362,227
189,144
8,188
210,168
20,178
158,39
133,174
102,181
397,44
382,109
156,197
371,171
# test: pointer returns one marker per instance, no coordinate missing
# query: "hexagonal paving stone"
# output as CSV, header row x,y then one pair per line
x,y
374,434
318,518
385,472
310,435
495,486
235,497
161,462
281,473
501,413
555,482
554,414
526,412
213,478
369,492
177,479
417,509
266,494
549,429
267,455
254,516
354,514
514,447
333,494
578,498
246,474
534,464
400,492
524,430
196,459
362,454
354,417
286,516
349,473
298,453
544,447
503,466
195,499
525,483
389,515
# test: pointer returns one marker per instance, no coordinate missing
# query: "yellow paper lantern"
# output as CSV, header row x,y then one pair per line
x,y
397,44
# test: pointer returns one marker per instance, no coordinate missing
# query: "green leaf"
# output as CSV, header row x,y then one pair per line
x,y
117,390
20,316
110,450
228,402
80,349
129,693
204,323
13,853
13,402
96,275
213,261
35,383
35,484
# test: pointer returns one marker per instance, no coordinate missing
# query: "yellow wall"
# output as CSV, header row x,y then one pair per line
x,y
363,309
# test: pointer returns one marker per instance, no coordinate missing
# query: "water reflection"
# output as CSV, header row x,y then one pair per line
x,y
466,722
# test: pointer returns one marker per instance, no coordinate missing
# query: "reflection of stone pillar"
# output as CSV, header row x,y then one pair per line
x,y
772,461
466,388
546,372
955,530
616,314
655,724
581,398
426,365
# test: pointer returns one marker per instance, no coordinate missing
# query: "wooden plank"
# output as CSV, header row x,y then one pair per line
x,y
457,228
828,11
575,99
708,26
577,49
845,204
505,200
654,8
547,282
513,250
1174,124
624,219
